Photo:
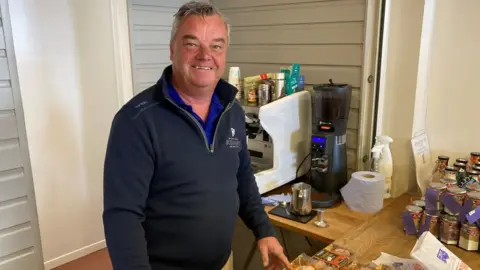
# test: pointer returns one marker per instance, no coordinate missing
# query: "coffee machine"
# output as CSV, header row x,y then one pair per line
x,y
328,142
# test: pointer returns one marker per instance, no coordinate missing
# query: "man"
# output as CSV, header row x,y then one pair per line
x,y
177,168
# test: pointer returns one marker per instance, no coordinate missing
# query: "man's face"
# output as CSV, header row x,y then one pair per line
x,y
199,51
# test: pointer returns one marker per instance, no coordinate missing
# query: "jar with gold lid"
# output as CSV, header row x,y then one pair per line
x,y
474,196
469,237
450,173
459,165
434,226
416,213
448,182
440,188
474,174
449,229
459,196
474,158
473,187
461,160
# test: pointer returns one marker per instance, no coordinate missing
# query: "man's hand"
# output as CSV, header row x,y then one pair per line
x,y
270,246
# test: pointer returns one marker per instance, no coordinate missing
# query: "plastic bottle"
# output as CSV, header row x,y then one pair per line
x,y
376,151
385,162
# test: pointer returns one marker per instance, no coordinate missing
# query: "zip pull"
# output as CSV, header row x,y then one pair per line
x,y
211,148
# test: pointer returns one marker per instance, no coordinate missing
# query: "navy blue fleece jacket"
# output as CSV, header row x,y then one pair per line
x,y
171,199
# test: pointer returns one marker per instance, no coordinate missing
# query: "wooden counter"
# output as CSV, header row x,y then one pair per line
x,y
384,233
340,219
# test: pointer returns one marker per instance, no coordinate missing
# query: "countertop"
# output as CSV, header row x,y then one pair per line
x,y
384,233
340,219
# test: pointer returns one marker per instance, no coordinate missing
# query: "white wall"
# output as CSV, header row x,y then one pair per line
x,y
453,86
402,33
64,51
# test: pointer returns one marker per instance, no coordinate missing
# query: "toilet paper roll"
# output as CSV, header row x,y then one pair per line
x,y
364,192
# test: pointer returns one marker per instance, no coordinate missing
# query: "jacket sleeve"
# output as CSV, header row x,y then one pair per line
x,y
251,211
128,169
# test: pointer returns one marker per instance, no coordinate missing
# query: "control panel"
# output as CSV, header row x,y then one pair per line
x,y
319,153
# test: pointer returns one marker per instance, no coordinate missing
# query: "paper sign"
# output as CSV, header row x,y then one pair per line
x,y
423,161
474,215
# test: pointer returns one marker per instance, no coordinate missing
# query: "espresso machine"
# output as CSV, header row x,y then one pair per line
x,y
328,143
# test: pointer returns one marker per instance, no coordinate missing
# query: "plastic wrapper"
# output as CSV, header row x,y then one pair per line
x,y
305,262
390,262
434,255
335,256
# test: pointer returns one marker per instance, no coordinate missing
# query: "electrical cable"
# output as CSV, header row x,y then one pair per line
x,y
301,163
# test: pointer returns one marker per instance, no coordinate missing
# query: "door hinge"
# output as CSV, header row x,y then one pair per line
x,y
370,79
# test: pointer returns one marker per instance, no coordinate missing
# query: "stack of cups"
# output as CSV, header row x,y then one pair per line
x,y
234,79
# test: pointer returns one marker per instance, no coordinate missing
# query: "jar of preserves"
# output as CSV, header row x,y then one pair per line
x,y
476,167
458,166
442,162
459,196
461,160
419,203
449,229
473,187
469,237
450,173
474,158
434,226
474,196
416,213
449,182
440,188
474,174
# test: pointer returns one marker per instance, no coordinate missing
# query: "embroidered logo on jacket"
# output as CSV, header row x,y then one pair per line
x,y
232,141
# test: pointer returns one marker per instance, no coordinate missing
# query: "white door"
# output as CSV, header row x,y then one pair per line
x,y
20,247
150,24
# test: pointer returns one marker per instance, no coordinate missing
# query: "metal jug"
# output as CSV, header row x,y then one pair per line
x,y
301,199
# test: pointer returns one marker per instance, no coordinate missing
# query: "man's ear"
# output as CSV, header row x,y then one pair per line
x,y
171,51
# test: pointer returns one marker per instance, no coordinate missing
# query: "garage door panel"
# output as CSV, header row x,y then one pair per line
x,y
10,154
320,12
158,3
316,33
6,98
314,74
149,75
352,138
353,119
8,125
345,55
158,36
152,16
228,4
15,239
152,56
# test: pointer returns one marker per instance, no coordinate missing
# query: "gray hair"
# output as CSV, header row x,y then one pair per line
x,y
199,9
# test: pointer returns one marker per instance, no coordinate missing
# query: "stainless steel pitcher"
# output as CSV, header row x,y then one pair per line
x,y
301,199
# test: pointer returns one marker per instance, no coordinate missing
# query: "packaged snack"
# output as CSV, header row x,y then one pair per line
x,y
305,262
332,259
340,250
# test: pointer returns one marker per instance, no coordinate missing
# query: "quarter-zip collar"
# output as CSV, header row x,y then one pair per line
x,y
224,91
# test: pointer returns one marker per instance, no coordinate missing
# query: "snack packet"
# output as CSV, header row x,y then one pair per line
x,y
305,262
388,261
335,256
